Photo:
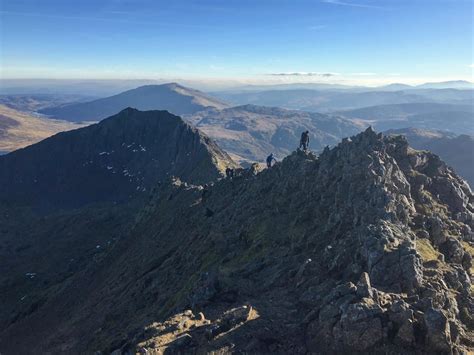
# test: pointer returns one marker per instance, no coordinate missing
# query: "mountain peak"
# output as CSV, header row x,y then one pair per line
x,y
172,97
120,158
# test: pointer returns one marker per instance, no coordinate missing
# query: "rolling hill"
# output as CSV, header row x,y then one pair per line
x,y
172,97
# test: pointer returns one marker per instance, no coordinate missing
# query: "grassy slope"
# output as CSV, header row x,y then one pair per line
x,y
30,129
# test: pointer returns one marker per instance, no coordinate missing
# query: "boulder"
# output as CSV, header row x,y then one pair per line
x,y
453,250
360,326
364,289
400,312
438,336
406,333
181,343
436,229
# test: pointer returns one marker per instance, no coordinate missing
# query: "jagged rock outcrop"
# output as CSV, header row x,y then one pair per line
x,y
366,248
455,150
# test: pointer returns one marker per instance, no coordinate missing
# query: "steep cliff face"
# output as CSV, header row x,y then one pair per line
x,y
365,248
113,161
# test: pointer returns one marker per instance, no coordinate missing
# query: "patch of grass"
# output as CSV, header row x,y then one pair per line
x,y
470,249
426,250
431,206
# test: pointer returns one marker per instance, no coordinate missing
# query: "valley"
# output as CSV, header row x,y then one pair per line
x,y
19,129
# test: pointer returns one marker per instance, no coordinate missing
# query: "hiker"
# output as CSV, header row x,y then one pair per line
x,y
229,173
304,141
270,158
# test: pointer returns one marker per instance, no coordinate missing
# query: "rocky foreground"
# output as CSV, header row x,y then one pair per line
x,y
366,248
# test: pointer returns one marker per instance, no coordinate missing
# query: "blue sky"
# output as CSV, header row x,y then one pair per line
x,y
366,41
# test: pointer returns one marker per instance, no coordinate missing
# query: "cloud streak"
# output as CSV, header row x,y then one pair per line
x,y
323,75
364,74
352,4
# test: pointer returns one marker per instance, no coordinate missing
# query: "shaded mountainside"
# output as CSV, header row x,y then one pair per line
x,y
456,151
172,97
19,129
366,248
252,132
118,159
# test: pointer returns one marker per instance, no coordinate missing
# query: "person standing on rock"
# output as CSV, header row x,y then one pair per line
x,y
304,141
270,159
229,173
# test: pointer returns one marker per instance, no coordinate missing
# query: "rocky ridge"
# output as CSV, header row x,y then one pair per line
x,y
366,248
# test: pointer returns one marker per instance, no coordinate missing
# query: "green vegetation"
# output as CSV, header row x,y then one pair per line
x,y
426,250
470,249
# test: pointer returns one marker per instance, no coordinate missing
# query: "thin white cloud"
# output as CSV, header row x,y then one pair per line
x,y
471,66
350,3
364,74
324,75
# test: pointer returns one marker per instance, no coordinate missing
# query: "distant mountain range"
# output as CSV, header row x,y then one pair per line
x,y
108,87
456,84
335,100
181,100
428,116
114,161
171,97
249,133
